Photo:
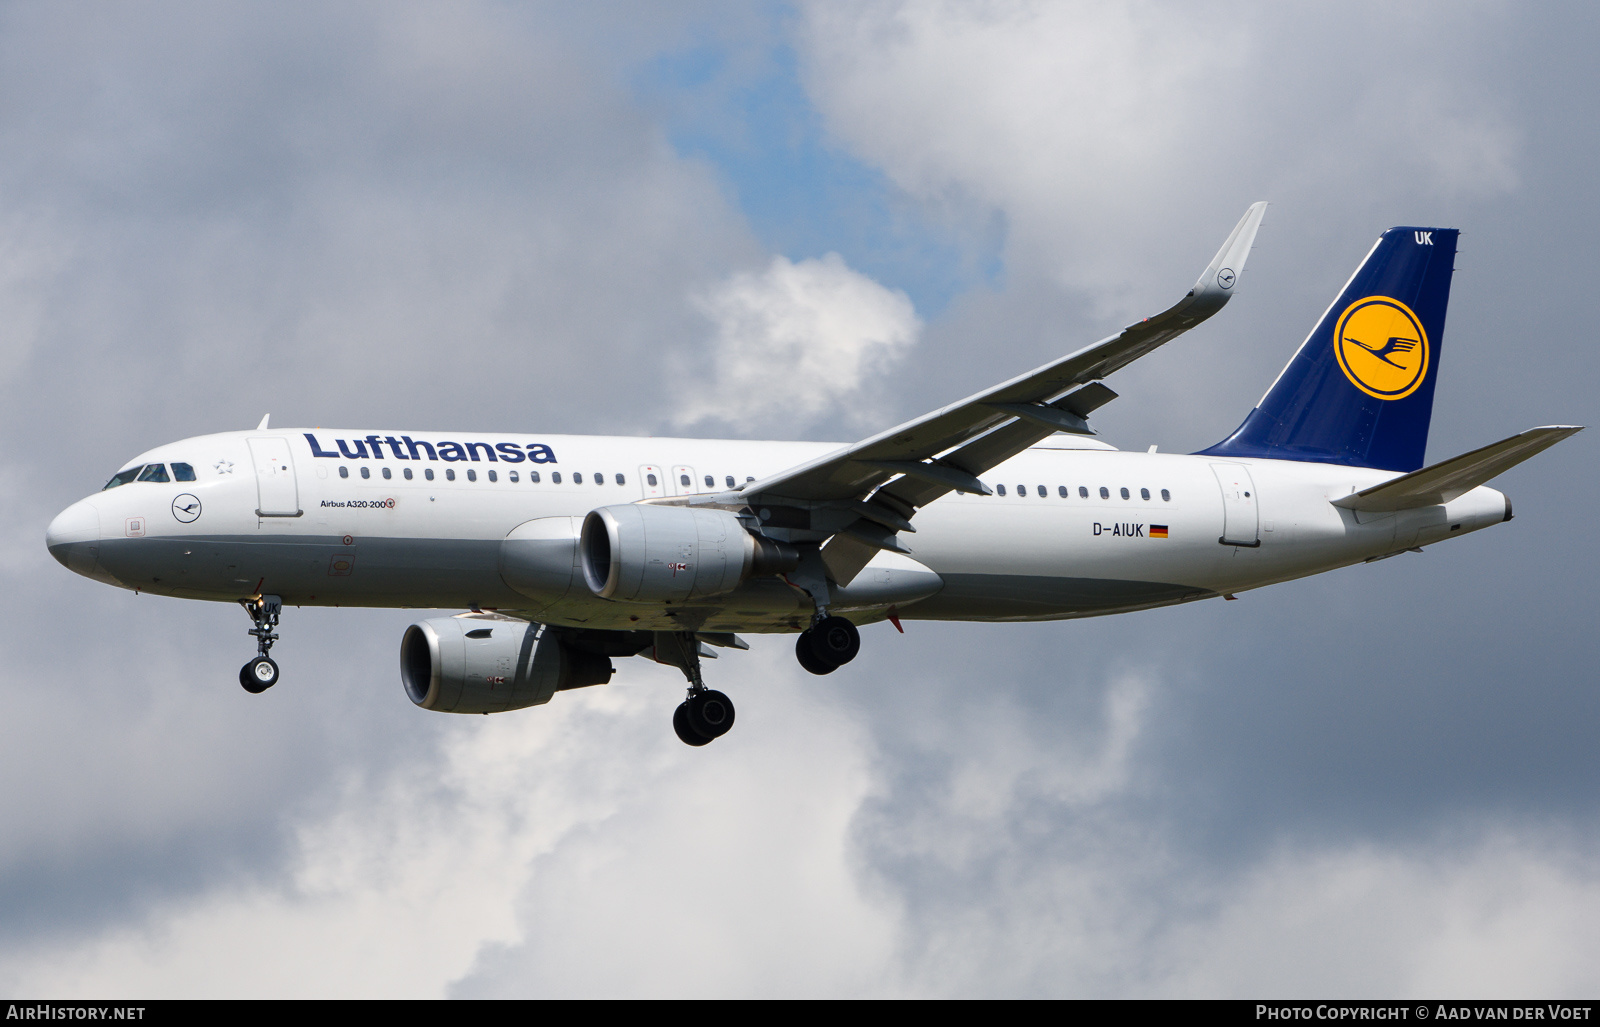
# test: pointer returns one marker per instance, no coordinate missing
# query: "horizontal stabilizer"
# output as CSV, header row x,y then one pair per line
x,y
1457,476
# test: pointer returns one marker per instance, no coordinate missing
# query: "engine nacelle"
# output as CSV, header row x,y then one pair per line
x,y
486,663
673,554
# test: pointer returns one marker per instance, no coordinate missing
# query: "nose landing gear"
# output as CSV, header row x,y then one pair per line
x,y
261,673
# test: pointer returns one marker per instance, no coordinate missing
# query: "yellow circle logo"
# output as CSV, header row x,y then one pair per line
x,y
1381,347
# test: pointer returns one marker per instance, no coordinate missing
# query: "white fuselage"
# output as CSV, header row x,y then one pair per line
x,y
322,525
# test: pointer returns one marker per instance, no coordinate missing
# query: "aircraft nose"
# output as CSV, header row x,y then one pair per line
x,y
74,537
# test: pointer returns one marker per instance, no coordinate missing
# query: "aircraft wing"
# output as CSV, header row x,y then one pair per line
x,y
1448,479
949,448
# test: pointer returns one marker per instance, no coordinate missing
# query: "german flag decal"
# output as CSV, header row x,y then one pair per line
x,y
1158,531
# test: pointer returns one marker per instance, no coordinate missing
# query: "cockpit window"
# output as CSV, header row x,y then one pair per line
x,y
182,472
123,477
155,472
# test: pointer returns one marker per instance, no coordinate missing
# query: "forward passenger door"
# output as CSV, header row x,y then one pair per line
x,y
277,493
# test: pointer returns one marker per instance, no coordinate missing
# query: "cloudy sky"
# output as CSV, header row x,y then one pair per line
x,y
793,221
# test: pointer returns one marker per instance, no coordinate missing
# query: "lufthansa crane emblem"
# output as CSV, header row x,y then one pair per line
x,y
1381,347
186,508
1226,278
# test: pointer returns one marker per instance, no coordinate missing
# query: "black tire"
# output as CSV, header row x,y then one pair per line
x,y
808,659
680,724
258,675
834,641
710,713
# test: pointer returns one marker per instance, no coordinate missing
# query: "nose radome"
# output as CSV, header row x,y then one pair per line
x,y
74,535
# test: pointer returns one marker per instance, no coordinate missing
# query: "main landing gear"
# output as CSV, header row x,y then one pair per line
x,y
827,645
703,717
705,714
261,673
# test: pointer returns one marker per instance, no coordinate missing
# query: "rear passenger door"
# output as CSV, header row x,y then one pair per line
x,y
1241,519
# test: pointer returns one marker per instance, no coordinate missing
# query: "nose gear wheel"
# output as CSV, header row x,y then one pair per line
x,y
258,675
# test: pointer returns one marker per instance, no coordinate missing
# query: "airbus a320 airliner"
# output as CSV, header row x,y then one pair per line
x,y
571,551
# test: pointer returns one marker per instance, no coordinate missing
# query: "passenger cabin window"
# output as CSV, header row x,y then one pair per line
x,y
1043,492
599,479
1083,492
493,476
511,475
182,472
683,479
407,473
577,477
533,477
651,479
1063,491
555,477
427,472
1166,497
472,474
1001,489
729,480
387,474
449,474
1144,493
344,472
711,482
1125,494
366,472
123,477
1105,493
155,472
621,480
1022,490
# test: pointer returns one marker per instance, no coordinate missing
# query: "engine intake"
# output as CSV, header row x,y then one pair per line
x,y
490,664
673,554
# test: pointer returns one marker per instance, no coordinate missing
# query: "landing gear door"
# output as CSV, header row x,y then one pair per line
x,y
278,495
1241,519
650,478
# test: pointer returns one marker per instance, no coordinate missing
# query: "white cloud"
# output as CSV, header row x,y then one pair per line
x,y
794,343
574,849
580,850
1500,916
1097,129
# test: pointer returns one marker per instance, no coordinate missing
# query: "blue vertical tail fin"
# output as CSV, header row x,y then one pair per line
x,y
1360,389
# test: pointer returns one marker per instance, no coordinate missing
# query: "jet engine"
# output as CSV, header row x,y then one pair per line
x,y
673,554
486,663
